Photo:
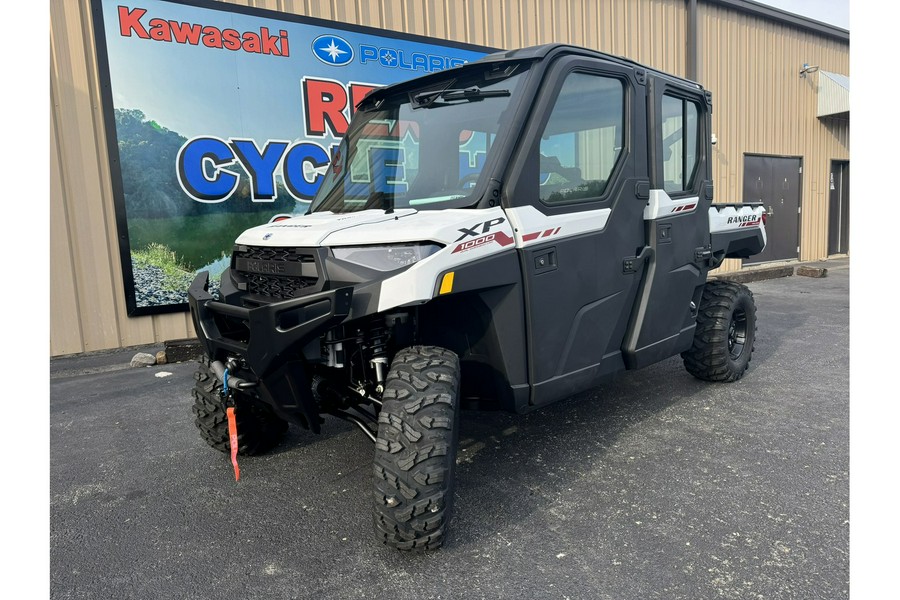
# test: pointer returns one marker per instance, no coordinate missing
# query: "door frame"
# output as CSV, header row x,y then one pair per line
x,y
831,162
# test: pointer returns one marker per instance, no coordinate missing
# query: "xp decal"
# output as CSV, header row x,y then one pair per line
x,y
479,228
500,237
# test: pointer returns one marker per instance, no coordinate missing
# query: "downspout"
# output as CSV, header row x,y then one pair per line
x,y
691,71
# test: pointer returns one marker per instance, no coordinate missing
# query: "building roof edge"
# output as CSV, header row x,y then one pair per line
x,y
784,17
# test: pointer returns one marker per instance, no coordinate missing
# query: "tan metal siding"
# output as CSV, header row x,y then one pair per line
x,y
95,310
64,307
86,300
762,105
750,64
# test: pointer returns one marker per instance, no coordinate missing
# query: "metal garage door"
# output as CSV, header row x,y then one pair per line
x,y
775,181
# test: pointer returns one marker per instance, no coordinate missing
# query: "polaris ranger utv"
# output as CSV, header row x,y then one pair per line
x,y
503,234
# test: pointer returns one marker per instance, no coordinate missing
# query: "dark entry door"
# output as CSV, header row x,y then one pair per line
x,y
775,181
839,208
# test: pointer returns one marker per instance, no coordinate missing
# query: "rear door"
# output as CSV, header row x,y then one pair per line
x,y
676,224
578,189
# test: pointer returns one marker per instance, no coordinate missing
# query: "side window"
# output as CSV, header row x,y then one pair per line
x,y
582,139
680,136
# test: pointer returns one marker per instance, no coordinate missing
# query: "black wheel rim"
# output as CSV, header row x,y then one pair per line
x,y
737,334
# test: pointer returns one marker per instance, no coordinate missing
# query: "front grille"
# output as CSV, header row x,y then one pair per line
x,y
281,288
276,254
276,273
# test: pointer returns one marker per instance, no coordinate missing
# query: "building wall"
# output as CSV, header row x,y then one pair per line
x,y
750,64
761,105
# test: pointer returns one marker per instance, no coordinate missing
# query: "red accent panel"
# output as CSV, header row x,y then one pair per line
x,y
503,239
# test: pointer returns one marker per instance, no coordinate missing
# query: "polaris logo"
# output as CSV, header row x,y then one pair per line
x,y
264,266
336,51
399,58
332,50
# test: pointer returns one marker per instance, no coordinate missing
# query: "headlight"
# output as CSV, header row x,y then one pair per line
x,y
385,258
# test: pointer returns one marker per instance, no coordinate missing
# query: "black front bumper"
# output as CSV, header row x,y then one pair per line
x,y
273,328
269,339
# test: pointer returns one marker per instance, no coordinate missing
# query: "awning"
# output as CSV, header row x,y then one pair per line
x,y
834,94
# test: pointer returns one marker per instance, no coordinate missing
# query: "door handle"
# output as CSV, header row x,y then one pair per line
x,y
769,212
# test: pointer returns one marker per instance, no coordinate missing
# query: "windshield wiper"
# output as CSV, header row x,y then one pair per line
x,y
426,99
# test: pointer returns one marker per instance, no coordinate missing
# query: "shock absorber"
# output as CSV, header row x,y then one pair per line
x,y
333,350
377,350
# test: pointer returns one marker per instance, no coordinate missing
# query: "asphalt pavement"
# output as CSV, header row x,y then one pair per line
x,y
654,486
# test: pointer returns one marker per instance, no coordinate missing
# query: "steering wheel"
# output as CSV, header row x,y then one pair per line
x,y
552,166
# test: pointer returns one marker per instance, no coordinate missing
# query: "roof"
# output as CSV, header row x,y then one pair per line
x,y
834,94
530,53
784,17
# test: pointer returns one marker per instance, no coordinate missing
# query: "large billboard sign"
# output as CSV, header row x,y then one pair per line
x,y
219,117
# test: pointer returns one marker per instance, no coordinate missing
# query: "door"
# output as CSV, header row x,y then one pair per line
x,y
574,201
676,224
775,181
839,207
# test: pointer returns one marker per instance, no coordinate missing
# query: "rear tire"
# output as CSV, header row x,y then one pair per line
x,y
259,428
725,335
415,453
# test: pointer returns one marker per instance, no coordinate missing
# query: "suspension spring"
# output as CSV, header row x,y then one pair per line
x,y
377,349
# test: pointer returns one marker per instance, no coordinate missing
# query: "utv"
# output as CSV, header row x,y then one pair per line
x,y
503,235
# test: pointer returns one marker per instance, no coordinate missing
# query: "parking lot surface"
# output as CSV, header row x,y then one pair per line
x,y
657,485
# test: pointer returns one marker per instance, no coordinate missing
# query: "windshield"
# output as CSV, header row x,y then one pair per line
x,y
424,149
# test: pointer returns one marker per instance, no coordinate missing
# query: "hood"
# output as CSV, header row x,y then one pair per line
x,y
311,230
375,227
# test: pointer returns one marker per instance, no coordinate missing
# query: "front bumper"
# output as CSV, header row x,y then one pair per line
x,y
268,331
269,338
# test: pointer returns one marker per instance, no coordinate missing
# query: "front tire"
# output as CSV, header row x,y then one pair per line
x,y
415,453
725,335
259,428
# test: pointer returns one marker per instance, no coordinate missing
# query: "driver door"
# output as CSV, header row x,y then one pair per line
x,y
576,205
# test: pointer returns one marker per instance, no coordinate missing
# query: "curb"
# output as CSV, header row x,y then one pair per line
x,y
183,350
815,269
756,274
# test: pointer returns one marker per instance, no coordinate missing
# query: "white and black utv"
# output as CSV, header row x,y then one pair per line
x,y
504,234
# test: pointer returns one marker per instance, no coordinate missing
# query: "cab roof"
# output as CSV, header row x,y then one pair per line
x,y
528,54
